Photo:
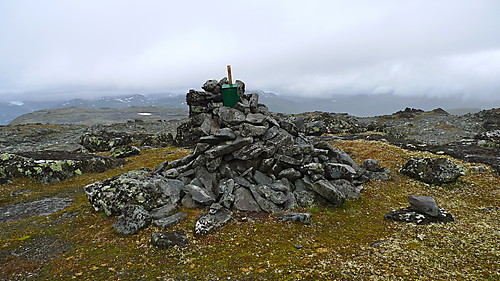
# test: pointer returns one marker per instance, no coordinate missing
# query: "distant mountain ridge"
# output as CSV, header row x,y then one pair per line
x,y
357,105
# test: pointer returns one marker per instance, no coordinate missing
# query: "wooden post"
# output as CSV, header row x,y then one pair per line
x,y
229,75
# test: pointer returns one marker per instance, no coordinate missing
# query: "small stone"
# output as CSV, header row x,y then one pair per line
x,y
169,239
304,218
298,246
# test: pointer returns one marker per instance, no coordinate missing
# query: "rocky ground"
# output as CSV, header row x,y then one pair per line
x,y
63,237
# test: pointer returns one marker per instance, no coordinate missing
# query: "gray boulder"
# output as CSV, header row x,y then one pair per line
x,y
432,170
138,187
424,204
329,192
132,219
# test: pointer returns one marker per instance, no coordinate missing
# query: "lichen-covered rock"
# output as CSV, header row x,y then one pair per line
x,y
104,141
432,170
132,219
304,218
53,166
216,217
168,239
124,151
138,187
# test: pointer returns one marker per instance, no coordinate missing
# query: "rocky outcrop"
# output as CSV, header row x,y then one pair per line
x,y
432,170
52,166
422,210
104,141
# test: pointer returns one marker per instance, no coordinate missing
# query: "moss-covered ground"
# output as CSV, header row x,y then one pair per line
x,y
352,242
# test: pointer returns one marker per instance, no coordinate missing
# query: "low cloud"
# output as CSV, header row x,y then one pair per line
x,y
410,48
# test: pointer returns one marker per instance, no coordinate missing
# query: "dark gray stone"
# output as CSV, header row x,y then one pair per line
x,y
249,130
41,207
244,201
304,198
188,202
169,239
372,165
231,116
225,133
304,218
228,147
132,219
264,204
349,190
424,204
163,211
261,178
169,221
277,197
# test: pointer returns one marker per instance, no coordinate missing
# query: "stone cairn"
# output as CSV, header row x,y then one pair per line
x,y
243,159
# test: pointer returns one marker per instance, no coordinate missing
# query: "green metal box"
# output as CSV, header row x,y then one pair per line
x,y
230,95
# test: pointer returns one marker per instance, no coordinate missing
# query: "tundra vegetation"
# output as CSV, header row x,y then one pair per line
x,y
351,242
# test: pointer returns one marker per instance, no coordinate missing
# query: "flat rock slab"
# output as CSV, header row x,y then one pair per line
x,y
169,239
409,215
304,218
42,207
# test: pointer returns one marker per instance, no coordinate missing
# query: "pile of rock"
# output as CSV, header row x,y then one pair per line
x,y
243,159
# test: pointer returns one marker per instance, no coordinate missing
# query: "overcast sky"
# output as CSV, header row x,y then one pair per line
x,y
309,48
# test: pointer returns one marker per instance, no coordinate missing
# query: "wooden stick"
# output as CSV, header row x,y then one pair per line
x,y
229,75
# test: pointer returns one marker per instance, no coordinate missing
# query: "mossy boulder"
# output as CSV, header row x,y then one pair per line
x,y
138,187
433,170
104,141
